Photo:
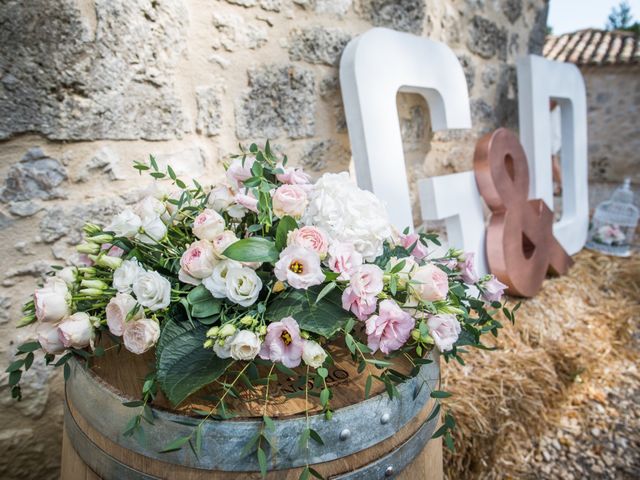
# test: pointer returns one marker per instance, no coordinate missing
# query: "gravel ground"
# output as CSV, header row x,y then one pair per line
x,y
605,446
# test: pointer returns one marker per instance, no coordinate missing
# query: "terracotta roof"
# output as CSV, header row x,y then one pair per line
x,y
594,47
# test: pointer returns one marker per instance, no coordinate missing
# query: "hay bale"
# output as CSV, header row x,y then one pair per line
x,y
568,343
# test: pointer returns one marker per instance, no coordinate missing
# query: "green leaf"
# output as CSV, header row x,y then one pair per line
x,y
29,347
316,437
325,291
324,318
177,444
133,404
262,460
17,365
183,365
324,397
285,225
323,372
254,249
440,394
367,386
203,304
268,423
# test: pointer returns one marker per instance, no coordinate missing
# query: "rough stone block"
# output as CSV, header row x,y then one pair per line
x,y
233,33
35,176
209,102
280,101
318,44
61,78
487,39
405,15
512,9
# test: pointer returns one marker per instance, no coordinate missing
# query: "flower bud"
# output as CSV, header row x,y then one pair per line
x,y
226,331
106,261
92,292
262,330
26,320
102,238
415,334
304,335
278,287
99,284
91,248
87,271
91,229
247,320
208,343
213,332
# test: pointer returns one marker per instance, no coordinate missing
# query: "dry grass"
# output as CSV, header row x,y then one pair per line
x,y
568,344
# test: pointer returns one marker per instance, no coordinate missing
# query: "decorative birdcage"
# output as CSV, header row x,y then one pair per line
x,y
614,223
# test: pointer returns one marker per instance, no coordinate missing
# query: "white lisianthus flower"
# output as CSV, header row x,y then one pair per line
x,y
126,224
217,282
222,348
152,231
68,274
445,330
49,339
313,354
348,214
140,335
117,310
76,330
126,274
244,346
152,290
150,207
52,300
243,286
300,267
208,225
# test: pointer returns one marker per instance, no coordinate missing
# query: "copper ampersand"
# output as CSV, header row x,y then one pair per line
x,y
521,248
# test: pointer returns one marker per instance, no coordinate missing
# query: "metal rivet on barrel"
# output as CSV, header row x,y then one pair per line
x,y
389,471
384,419
345,434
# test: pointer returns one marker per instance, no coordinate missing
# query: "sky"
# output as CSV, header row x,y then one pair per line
x,y
571,15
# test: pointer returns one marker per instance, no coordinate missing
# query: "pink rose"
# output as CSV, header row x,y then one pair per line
x,y
429,283
299,267
445,330
52,300
289,200
493,289
247,200
311,238
117,310
208,225
220,198
419,251
361,307
390,329
76,330
198,260
343,259
467,270
293,176
283,343
366,280
140,335
222,241
49,339
239,171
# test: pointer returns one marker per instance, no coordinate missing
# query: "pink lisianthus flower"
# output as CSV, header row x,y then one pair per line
x,y
419,251
366,280
361,307
343,259
293,176
390,329
248,200
445,330
283,343
112,250
299,267
467,268
493,289
311,238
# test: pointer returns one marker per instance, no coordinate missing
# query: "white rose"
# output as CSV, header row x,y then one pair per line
x,y
243,286
68,275
217,282
49,339
208,225
52,300
152,290
126,274
140,335
220,198
348,214
125,224
313,354
117,310
245,345
76,331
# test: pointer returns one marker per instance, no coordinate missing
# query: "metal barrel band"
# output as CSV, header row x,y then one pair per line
x,y
353,428
103,464
397,460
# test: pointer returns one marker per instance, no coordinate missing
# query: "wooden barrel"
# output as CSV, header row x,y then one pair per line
x,y
366,439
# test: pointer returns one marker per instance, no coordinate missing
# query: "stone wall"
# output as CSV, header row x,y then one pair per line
x,y
86,87
613,102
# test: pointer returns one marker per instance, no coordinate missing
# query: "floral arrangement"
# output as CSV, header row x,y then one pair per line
x,y
266,269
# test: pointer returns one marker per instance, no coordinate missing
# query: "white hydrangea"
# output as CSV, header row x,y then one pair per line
x,y
348,214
